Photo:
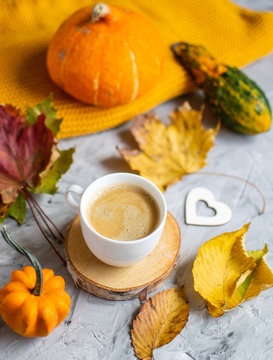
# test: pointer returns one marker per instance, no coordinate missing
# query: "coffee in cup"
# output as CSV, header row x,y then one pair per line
x,y
123,212
104,230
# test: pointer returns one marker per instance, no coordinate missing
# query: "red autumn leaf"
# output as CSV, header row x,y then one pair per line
x,y
24,152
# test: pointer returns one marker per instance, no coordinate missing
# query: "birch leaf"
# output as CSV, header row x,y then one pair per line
x,y
159,321
262,278
214,311
218,266
225,274
167,153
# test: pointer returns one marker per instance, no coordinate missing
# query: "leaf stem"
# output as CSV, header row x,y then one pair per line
x,y
47,225
40,227
237,178
43,214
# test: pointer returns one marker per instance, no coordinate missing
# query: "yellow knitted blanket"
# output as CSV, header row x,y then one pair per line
x,y
234,35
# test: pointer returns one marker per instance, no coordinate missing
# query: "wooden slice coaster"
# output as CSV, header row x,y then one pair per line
x,y
121,283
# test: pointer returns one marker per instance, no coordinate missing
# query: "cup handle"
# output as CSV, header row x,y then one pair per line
x,y
76,189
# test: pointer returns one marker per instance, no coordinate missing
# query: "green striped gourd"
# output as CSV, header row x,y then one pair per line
x,y
237,99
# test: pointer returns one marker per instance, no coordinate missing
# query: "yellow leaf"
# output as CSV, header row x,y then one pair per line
x,y
258,254
252,282
214,311
218,266
160,319
262,278
226,275
167,153
239,292
239,263
243,284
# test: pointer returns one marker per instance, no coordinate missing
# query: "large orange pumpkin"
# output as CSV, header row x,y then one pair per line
x,y
105,55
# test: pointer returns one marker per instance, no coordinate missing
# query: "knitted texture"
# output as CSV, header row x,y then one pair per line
x,y
234,35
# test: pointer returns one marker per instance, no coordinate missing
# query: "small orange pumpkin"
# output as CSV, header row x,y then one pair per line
x,y
34,302
106,55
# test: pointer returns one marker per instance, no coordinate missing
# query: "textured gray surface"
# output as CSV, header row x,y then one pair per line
x,y
98,329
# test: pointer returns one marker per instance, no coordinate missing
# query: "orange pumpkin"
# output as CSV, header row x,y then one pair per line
x,y
27,306
106,56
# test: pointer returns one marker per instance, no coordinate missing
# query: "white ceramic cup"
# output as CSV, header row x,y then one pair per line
x,y
115,252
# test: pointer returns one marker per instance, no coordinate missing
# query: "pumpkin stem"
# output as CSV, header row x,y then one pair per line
x,y
32,258
99,11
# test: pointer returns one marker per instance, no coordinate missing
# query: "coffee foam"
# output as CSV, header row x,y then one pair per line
x,y
123,212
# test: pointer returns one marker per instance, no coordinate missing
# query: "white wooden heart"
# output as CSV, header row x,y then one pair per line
x,y
223,213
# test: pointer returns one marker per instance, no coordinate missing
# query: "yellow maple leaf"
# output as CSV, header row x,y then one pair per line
x,y
226,275
167,153
160,319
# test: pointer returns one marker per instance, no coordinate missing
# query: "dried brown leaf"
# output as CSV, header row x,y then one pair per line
x,y
159,321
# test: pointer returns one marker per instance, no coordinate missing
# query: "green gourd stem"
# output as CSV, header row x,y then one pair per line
x,y
99,11
32,258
